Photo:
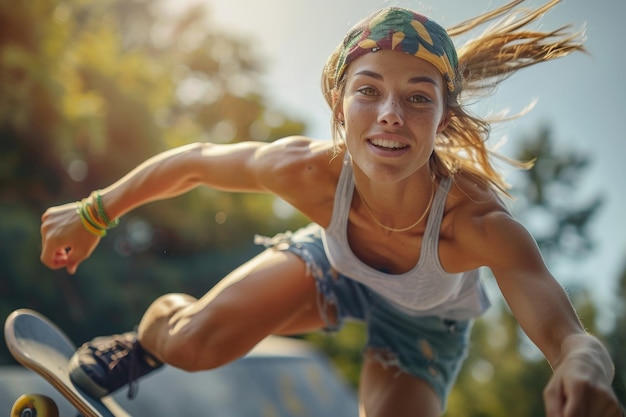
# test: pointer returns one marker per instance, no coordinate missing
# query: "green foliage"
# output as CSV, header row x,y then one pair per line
x,y
505,374
88,90
616,339
547,199
344,348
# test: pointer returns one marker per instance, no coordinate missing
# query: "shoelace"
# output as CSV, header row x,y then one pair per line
x,y
133,384
128,350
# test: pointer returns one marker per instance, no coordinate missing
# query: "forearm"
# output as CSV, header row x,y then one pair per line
x,y
68,238
163,176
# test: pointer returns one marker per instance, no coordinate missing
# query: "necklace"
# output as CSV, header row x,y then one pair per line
x,y
404,229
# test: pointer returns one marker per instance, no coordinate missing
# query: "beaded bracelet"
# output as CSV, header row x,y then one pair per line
x,y
88,222
93,216
108,223
90,213
87,214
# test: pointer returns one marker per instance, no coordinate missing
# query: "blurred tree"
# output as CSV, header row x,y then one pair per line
x,y
505,374
88,90
548,200
616,339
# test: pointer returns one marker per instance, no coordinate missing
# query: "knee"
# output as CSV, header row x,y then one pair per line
x,y
197,342
196,351
169,304
186,354
158,331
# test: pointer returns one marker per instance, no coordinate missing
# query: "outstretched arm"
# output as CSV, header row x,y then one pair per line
x,y
245,166
583,369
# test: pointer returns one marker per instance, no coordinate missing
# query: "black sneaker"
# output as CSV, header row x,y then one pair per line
x,y
106,364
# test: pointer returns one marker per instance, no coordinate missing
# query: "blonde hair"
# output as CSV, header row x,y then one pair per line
x,y
505,47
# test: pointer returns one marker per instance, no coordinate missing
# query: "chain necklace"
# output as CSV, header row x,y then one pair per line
x,y
404,229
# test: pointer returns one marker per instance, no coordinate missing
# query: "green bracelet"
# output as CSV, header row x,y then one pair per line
x,y
87,224
102,214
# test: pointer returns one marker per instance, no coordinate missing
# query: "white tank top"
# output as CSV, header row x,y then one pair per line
x,y
424,290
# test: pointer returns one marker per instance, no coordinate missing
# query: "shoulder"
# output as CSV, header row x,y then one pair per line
x,y
296,158
486,230
292,150
302,171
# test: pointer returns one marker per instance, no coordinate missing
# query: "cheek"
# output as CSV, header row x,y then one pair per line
x,y
357,112
424,121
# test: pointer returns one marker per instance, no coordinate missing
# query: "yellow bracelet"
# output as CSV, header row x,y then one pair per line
x,y
88,226
90,215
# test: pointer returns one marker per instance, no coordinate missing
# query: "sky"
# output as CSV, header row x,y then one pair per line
x,y
582,97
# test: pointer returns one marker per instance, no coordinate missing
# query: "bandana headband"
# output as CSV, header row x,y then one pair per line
x,y
405,31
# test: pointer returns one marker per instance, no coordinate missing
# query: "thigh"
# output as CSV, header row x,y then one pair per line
x,y
257,299
252,302
421,351
386,391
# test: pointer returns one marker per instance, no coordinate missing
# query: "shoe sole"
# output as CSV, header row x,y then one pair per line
x,y
83,381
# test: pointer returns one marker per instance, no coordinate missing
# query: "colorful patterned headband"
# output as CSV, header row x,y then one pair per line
x,y
401,30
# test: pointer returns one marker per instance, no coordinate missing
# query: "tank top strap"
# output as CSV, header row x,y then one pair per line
x,y
343,198
433,226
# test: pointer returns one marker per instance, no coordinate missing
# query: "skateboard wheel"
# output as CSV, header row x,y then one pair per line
x,y
34,405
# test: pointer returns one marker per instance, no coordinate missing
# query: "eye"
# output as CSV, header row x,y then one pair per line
x,y
367,91
419,98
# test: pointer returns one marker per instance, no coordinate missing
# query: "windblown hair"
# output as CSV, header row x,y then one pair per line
x,y
505,46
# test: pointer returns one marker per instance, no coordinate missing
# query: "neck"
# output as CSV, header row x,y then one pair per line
x,y
397,209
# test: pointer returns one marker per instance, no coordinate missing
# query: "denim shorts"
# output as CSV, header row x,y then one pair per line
x,y
428,347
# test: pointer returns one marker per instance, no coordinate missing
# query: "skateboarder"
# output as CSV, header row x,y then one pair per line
x,y
405,205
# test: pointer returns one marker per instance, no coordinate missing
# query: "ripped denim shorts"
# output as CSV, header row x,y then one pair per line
x,y
428,347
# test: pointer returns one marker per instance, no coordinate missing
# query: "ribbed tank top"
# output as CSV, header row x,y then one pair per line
x,y
427,289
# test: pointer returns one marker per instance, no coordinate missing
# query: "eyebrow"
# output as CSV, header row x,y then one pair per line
x,y
413,80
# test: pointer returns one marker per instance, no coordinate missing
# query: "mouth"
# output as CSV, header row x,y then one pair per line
x,y
388,145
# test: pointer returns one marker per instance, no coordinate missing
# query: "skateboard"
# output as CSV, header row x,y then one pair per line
x,y
39,345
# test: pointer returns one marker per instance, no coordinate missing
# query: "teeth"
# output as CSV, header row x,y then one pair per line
x,y
384,143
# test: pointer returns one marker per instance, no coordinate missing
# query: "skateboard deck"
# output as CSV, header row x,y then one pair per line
x,y
39,345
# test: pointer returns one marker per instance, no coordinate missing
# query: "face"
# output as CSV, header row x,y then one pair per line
x,y
393,107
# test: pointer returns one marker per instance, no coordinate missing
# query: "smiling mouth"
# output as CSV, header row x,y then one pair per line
x,y
388,145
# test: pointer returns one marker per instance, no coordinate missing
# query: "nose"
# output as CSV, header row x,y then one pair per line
x,y
390,112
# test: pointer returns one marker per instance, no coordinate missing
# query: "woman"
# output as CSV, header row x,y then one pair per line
x,y
405,208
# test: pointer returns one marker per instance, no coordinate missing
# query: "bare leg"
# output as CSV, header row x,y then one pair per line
x,y
384,392
271,293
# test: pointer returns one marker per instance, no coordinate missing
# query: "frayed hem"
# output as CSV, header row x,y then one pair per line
x,y
387,358
326,298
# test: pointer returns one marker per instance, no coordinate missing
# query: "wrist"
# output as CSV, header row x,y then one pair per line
x,y
590,350
93,215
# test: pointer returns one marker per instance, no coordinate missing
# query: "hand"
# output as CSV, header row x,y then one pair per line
x,y
580,389
65,242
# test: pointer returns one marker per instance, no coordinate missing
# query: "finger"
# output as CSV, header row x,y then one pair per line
x,y
553,401
72,267
56,260
46,257
78,255
53,255
578,399
61,257
74,259
573,407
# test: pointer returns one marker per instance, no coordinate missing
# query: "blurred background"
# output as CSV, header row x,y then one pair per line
x,y
89,89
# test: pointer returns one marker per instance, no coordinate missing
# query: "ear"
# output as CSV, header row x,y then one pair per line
x,y
337,107
335,97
